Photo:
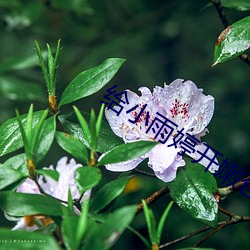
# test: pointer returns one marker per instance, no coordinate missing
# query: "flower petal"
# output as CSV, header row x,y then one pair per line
x,y
164,161
29,187
125,166
186,105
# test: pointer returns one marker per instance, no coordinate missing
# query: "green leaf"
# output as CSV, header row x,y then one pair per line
x,y
16,240
87,177
53,174
19,90
69,230
84,125
20,204
151,223
127,152
107,139
18,162
162,221
92,127
46,137
73,146
233,41
10,136
90,81
8,176
241,5
105,235
108,193
99,121
193,191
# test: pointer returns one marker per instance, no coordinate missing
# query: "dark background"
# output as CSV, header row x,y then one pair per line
x,y
161,41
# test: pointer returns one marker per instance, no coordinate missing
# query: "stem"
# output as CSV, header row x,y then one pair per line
x,y
152,198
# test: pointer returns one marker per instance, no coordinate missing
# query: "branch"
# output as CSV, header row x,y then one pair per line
x,y
144,173
235,220
152,198
229,190
226,23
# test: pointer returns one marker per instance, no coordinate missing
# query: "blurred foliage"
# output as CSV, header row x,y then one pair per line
x,y
161,41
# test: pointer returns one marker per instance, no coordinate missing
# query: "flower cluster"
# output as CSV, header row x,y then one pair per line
x,y
182,103
58,189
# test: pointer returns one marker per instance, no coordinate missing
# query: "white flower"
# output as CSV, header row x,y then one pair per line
x,y
181,103
58,189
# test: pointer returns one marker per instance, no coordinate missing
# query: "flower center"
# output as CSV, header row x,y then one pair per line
x,y
180,110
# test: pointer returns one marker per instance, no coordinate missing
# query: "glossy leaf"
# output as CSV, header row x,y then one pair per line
x,y
241,5
20,204
233,41
107,138
108,193
8,176
10,136
193,191
105,235
73,146
46,137
19,90
87,177
16,240
127,152
90,81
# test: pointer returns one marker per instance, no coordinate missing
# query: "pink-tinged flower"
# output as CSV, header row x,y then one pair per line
x,y
58,189
183,104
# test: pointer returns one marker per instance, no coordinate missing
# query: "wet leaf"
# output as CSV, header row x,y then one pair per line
x,y
10,136
193,191
232,41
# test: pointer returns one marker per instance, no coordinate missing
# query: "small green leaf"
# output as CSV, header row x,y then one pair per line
x,y
8,176
46,137
19,90
108,193
232,41
10,136
126,152
16,240
151,223
84,125
193,191
92,127
90,81
107,138
105,235
87,177
73,146
162,221
20,204
53,174
241,5
99,121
